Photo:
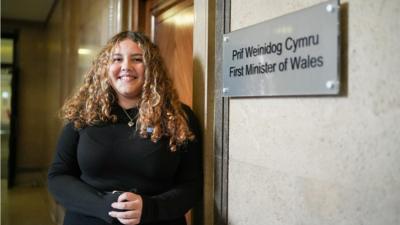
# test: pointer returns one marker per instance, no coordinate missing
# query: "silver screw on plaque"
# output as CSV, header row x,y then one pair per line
x,y
331,84
226,39
225,90
330,8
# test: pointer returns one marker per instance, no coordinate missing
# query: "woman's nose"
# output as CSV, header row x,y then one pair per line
x,y
126,65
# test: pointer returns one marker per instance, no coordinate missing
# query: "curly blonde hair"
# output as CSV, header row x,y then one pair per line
x,y
159,106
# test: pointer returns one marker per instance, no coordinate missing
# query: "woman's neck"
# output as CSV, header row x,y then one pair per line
x,y
128,104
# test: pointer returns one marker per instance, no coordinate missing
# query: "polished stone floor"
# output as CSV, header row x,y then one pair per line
x,y
25,205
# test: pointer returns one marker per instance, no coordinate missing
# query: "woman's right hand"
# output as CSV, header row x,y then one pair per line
x,y
131,206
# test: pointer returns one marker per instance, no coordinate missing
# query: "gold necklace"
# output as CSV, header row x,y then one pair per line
x,y
131,122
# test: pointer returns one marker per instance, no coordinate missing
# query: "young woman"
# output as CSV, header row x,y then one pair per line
x,y
130,152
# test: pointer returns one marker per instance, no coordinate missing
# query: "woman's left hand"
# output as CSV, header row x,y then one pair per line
x,y
132,204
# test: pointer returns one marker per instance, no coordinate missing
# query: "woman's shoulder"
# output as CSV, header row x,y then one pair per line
x,y
75,126
188,111
185,107
191,117
69,126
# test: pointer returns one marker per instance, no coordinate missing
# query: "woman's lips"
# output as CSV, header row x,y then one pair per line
x,y
127,77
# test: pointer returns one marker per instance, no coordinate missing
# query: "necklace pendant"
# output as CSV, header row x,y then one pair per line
x,y
131,123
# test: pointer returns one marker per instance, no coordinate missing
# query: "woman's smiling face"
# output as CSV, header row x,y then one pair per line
x,y
126,72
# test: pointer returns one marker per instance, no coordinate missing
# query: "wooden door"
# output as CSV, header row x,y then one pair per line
x,y
170,25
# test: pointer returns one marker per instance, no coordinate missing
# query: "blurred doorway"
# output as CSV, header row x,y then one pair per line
x,y
8,107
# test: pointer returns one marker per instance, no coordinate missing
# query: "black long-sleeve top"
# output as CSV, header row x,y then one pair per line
x,y
92,162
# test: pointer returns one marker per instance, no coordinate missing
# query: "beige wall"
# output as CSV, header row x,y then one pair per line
x,y
31,61
322,160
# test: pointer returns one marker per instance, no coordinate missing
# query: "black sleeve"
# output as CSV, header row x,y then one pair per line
x,y
66,186
188,186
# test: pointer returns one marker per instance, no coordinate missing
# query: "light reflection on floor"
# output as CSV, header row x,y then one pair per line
x,y
25,205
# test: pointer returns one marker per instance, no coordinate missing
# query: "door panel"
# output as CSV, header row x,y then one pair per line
x,y
171,28
174,36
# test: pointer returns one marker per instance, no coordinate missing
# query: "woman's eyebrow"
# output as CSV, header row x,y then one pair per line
x,y
137,54
134,54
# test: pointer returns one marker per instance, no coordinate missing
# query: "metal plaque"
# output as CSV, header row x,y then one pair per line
x,y
295,54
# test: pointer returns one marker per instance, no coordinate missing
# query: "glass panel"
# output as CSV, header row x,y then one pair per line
x,y
6,76
7,51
